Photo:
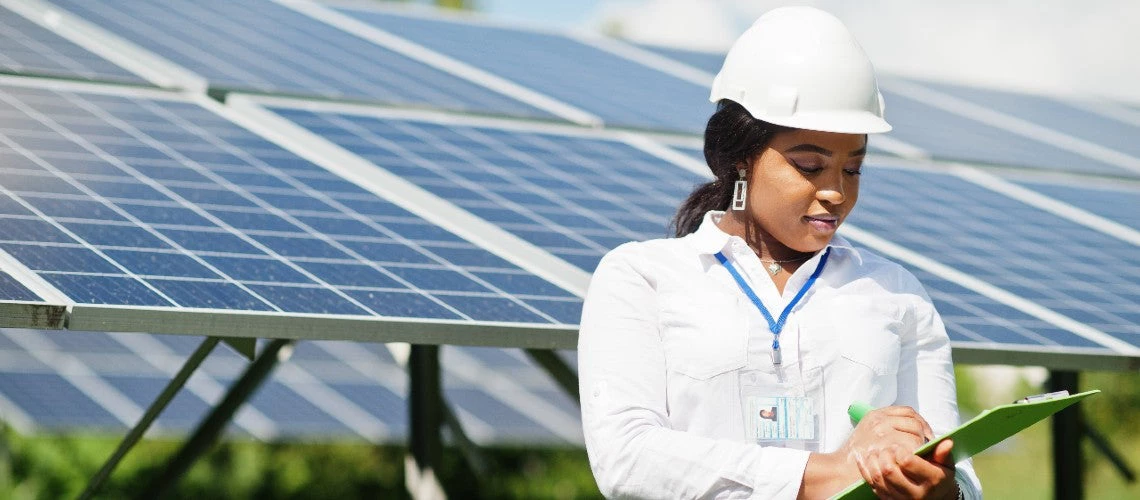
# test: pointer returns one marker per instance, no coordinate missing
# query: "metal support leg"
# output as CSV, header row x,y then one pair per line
x,y
475,457
210,428
1105,446
559,370
425,409
1068,473
151,415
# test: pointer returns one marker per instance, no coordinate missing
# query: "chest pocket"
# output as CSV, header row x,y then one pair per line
x,y
868,334
703,335
869,346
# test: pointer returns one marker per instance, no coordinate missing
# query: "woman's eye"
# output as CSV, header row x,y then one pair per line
x,y
853,171
808,168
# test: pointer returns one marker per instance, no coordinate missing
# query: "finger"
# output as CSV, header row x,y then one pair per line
x,y
942,454
908,412
909,426
921,476
896,484
920,470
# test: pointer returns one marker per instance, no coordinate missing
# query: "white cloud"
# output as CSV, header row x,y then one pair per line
x,y
1087,48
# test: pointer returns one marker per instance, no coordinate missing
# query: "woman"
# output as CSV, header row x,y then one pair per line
x,y
721,363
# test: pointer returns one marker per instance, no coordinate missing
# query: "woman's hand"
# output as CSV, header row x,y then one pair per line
x,y
906,475
882,449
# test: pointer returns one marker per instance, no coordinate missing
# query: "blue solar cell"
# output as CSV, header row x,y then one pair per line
x,y
437,279
301,246
307,300
37,183
399,253
115,235
72,208
105,290
209,295
351,275
31,230
202,241
12,289
490,308
404,304
255,221
29,49
522,284
165,214
263,46
1115,203
57,258
949,136
261,270
125,190
563,68
1051,260
51,401
1054,114
566,311
9,206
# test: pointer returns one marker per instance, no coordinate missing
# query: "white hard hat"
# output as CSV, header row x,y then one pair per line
x,y
800,67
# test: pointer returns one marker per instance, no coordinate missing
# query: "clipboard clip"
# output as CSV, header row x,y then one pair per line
x,y
1042,397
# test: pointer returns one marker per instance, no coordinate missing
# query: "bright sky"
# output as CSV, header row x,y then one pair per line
x,y
1089,48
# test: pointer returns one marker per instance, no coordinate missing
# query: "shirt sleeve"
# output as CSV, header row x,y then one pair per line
x,y
633,450
926,377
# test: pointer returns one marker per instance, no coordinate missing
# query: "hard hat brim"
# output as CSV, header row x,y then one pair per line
x,y
841,122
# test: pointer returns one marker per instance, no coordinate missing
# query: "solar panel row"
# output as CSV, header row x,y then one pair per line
x,y
118,200
529,410
30,49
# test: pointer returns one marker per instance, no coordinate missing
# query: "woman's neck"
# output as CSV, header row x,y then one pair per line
x,y
766,247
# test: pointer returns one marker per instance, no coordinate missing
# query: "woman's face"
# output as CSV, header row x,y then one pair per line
x,y
801,188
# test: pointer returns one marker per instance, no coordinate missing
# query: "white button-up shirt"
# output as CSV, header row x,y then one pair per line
x,y
666,331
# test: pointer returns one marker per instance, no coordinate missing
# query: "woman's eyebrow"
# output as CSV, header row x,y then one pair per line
x,y
812,148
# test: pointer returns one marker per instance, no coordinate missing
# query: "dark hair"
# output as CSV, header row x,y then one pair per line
x,y
733,139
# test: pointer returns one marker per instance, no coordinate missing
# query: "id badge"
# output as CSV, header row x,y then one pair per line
x,y
783,408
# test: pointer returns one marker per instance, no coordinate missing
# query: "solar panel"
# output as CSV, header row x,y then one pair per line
x,y
259,45
362,373
1079,272
30,49
925,119
1116,203
1054,113
620,91
156,201
11,289
576,196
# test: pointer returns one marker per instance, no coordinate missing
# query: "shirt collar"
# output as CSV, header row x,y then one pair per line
x,y
709,239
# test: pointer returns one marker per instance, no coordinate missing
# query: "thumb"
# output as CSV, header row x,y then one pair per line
x,y
942,454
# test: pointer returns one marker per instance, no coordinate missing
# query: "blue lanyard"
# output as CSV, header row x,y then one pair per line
x,y
776,326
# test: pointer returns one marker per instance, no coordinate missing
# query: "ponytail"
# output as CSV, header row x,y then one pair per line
x,y
733,140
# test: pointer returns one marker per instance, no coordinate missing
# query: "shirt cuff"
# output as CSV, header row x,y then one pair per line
x,y
782,472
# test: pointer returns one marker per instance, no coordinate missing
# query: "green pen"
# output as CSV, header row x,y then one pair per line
x,y
857,411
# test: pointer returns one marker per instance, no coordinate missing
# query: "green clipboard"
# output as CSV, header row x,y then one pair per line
x,y
983,431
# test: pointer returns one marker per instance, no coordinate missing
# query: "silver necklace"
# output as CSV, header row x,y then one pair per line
x,y
774,267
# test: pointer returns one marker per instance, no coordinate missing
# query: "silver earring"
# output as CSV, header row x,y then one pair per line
x,y
739,192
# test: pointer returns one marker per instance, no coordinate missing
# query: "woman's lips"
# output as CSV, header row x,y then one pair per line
x,y
823,223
